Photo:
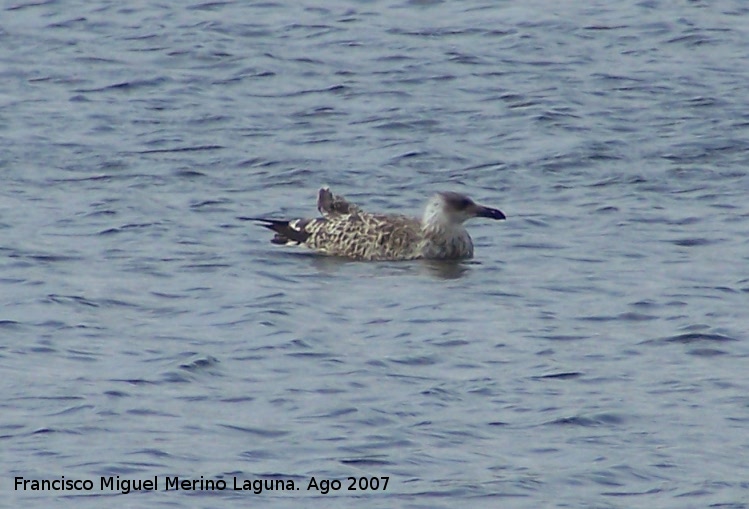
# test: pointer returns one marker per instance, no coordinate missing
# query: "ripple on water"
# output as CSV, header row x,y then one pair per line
x,y
593,350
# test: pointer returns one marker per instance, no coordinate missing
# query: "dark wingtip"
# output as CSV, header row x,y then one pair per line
x,y
263,220
279,239
324,200
271,224
286,231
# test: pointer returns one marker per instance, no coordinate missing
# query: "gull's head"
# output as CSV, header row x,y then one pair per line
x,y
450,208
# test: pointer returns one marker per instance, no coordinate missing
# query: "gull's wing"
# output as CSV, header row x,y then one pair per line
x,y
359,236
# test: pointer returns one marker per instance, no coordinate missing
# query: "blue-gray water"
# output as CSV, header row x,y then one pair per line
x,y
594,354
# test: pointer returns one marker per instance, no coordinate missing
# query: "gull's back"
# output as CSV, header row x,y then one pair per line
x,y
364,236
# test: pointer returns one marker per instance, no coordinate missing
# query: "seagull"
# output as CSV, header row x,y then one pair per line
x,y
345,230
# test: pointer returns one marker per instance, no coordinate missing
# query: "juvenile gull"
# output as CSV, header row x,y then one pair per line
x,y
346,230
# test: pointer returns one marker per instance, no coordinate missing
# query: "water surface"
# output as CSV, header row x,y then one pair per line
x,y
592,355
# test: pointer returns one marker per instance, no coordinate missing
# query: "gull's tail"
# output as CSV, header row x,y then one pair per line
x,y
288,233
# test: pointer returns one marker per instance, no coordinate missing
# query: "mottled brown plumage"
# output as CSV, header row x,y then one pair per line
x,y
347,231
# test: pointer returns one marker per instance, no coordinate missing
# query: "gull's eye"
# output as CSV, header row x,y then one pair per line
x,y
464,203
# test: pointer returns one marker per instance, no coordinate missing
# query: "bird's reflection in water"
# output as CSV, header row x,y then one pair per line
x,y
436,268
447,269
328,264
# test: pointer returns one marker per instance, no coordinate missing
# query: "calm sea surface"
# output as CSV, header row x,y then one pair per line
x,y
594,354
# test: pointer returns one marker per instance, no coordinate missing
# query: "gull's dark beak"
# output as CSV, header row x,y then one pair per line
x,y
489,212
